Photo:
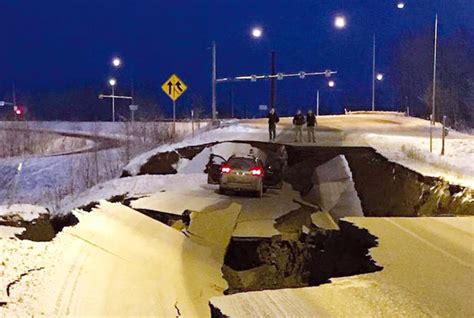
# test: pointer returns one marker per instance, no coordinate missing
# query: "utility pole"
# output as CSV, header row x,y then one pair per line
x,y
273,81
214,77
373,74
14,94
231,99
113,97
113,103
433,120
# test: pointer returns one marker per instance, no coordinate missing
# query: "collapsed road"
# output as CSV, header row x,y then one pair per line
x,y
178,250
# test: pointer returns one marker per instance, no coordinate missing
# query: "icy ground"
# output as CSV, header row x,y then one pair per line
x,y
117,261
45,179
401,139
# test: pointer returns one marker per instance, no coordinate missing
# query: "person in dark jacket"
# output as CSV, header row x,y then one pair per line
x,y
298,122
273,119
310,124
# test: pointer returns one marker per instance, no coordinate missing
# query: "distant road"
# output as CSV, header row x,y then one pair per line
x,y
45,179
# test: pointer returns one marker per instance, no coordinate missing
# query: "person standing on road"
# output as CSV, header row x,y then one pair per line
x,y
310,124
298,122
273,119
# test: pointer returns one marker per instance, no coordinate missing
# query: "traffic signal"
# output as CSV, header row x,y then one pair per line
x,y
19,111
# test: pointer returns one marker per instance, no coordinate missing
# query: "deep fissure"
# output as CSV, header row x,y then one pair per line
x,y
311,260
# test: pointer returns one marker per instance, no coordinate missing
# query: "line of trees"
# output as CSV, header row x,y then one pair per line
x,y
81,103
413,67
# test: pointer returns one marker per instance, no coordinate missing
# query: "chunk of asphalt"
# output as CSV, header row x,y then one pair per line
x,y
203,226
334,190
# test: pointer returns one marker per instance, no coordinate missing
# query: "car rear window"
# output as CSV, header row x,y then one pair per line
x,y
241,163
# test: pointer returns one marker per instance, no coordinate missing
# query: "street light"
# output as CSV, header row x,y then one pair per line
x,y
379,77
331,84
257,32
116,62
340,22
401,5
112,83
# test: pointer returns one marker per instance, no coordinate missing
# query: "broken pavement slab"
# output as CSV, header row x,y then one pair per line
x,y
334,190
428,271
215,228
118,262
175,202
324,220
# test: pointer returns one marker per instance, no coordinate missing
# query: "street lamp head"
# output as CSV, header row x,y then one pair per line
x,y
257,32
116,62
331,84
379,77
112,82
401,5
340,22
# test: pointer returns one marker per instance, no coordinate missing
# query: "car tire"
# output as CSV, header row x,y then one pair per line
x,y
259,193
221,190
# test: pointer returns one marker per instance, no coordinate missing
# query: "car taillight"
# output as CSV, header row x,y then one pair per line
x,y
256,172
226,169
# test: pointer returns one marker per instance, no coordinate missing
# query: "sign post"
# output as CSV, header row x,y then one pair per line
x,y
174,87
133,109
192,121
114,97
431,133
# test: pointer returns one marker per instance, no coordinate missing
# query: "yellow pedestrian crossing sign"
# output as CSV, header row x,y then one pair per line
x,y
174,87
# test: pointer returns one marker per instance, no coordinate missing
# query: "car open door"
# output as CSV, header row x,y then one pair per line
x,y
273,175
274,168
213,169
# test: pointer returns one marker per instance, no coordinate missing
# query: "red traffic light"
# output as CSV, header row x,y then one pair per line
x,y
18,110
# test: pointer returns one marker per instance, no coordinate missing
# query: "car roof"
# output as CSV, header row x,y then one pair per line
x,y
248,156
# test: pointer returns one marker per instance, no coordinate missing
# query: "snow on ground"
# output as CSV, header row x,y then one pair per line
x,y
28,212
235,132
46,180
188,189
456,166
86,269
8,232
402,139
88,272
387,133
117,130
225,150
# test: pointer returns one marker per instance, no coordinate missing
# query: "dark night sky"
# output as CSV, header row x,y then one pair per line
x,y
54,44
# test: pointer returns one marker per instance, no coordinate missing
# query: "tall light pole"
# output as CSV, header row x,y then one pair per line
x,y
256,33
214,77
112,83
373,73
331,84
435,58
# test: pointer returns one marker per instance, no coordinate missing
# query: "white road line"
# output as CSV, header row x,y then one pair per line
x,y
462,262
